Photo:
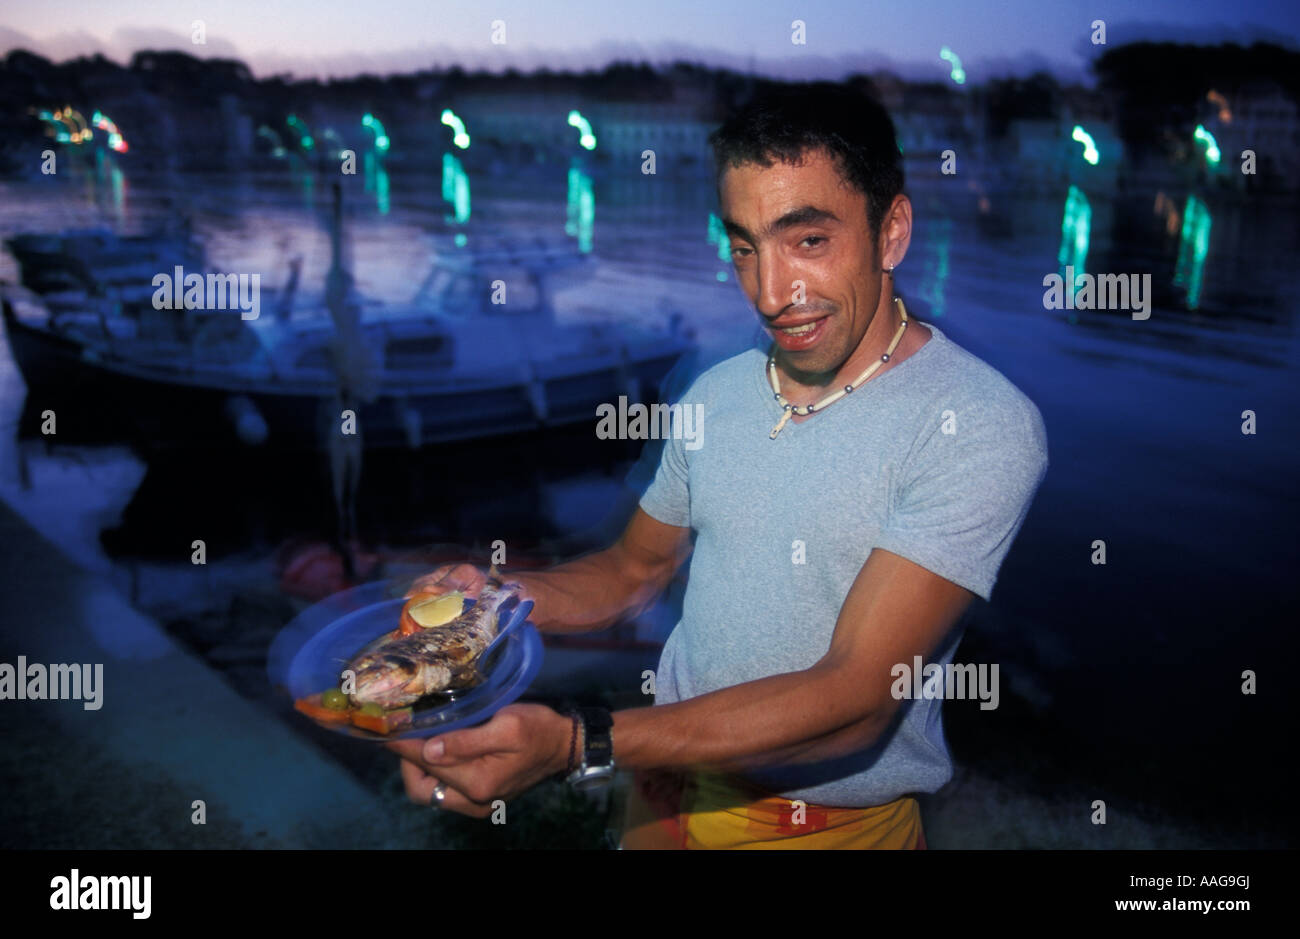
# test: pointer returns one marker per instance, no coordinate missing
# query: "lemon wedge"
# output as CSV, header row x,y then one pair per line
x,y
438,611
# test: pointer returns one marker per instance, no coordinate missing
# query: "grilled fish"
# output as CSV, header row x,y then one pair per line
x,y
403,670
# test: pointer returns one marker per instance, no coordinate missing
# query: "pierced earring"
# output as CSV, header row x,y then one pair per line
x,y
889,270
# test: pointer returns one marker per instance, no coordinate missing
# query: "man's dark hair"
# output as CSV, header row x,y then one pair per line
x,y
784,122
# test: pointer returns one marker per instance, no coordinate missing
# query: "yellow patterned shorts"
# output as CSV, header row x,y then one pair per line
x,y
708,810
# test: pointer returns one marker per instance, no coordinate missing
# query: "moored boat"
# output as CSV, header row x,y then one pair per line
x,y
451,364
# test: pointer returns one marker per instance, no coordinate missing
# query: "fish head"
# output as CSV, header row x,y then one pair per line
x,y
386,679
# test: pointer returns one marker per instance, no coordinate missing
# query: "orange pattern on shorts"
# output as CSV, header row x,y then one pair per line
x,y
705,810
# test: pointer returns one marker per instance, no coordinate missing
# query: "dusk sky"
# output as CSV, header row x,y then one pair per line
x,y
327,37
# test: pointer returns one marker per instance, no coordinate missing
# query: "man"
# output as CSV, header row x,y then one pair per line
x,y
857,487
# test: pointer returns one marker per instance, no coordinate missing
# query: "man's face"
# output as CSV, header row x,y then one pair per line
x,y
804,224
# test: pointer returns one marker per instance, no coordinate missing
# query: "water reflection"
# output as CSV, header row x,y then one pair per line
x,y
580,207
934,272
109,179
1193,246
307,182
718,236
376,181
1076,231
455,188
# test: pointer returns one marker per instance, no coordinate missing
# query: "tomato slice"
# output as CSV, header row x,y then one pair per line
x,y
384,723
312,707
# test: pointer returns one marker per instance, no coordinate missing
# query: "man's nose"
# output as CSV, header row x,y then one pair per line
x,y
775,286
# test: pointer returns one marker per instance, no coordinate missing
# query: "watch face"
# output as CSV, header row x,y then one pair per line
x,y
592,779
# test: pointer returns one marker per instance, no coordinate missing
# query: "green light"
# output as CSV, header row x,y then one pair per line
x,y
381,136
304,134
1193,246
460,138
277,145
1212,154
958,74
1089,148
722,276
587,139
115,139
461,239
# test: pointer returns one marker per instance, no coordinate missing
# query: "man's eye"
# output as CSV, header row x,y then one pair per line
x,y
739,252
813,241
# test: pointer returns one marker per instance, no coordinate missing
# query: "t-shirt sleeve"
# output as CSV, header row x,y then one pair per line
x,y
668,497
964,495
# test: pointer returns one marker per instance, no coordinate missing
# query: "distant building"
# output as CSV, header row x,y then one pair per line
x,y
676,130
520,121
1259,116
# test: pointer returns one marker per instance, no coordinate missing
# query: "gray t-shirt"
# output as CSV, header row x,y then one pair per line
x,y
936,460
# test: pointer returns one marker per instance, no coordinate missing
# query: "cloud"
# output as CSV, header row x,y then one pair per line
x,y
126,41
58,48
119,47
131,39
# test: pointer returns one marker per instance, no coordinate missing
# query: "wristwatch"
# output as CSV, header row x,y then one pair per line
x,y
597,766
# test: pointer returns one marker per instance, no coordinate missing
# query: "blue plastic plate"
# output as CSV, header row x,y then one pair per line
x,y
308,655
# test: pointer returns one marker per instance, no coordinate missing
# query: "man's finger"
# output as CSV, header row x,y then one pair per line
x,y
455,801
419,784
407,749
499,735
463,577
431,584
420,788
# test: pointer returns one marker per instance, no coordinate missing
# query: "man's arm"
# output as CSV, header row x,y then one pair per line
x,y
603,588
894,611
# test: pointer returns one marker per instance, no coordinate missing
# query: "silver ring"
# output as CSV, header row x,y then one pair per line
x,y
439,793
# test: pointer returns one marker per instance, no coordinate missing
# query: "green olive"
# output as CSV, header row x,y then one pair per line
x,y
334,699
372,710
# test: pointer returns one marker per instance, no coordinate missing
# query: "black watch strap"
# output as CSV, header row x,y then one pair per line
x,y
598,746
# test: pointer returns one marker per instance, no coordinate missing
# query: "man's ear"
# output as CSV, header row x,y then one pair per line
x,y
895,232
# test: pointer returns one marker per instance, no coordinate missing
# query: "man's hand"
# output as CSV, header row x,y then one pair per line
x,y
519,747
450,577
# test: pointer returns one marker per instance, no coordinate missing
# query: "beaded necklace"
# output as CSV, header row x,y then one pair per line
x,y
803,410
